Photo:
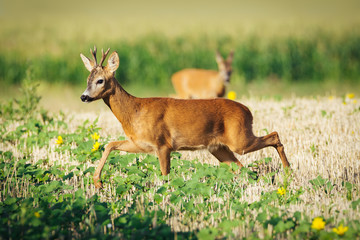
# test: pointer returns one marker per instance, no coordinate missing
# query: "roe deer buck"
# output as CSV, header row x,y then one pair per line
x,y
162,125
201,83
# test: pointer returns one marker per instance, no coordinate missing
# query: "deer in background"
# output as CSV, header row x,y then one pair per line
x,y
163,125
200,83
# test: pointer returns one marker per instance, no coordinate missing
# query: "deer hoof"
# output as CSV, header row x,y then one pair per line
x,y
97,183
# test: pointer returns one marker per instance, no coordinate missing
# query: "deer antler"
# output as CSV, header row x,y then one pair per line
x,y
103,56
93,53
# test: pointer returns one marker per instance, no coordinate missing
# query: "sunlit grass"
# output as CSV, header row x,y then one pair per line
x,y
47,159
199,196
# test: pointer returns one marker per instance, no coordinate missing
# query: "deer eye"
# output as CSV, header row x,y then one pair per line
x,y
100,81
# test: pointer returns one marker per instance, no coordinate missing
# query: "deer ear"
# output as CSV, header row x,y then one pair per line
x,y
219,58
87,62
113,62
230,57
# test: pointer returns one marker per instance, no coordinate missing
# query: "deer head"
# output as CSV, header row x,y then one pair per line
x,y
225,68
101,79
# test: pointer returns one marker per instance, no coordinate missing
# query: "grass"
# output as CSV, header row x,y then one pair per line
x,y
276,42
293,67
152,59
47,190
37,23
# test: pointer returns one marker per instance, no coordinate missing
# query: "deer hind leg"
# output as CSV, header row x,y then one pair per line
x,y
117,145
225,155
270,140
164,159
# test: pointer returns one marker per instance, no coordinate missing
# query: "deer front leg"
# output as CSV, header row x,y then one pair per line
x,y
164,159
125,145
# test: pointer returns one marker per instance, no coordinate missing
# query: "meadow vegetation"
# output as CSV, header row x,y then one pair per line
x,y
282,51
151,59
282,45
47,160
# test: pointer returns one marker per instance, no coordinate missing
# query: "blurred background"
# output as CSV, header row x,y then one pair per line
x,y
282,48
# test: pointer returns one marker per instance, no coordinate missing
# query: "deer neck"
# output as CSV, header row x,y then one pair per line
x,y
221,76
123,105
220,80
219,84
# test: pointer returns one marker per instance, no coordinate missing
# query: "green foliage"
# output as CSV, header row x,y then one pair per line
x,y
56,200
151,60
322,184
26,106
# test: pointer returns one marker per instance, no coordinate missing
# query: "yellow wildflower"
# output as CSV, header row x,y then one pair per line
x,y
281,191
231,95
318,223
37,214
331,97
95,147
354,101
350,95
95,136
59,140
341,230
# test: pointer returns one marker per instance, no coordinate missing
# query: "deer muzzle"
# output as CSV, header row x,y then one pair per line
x,y
86,98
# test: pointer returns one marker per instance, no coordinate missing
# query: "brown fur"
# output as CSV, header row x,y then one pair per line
x,y
163,125
201,83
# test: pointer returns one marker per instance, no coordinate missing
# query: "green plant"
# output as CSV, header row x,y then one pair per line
x,y
320,183
46,190
314,57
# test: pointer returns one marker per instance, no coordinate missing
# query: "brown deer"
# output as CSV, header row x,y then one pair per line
x,y
163,125
200,83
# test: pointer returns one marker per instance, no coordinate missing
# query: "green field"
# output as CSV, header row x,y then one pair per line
x,y
296,66
151,59
282,44
47,189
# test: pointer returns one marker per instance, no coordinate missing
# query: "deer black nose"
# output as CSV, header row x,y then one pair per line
x,y
84,97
